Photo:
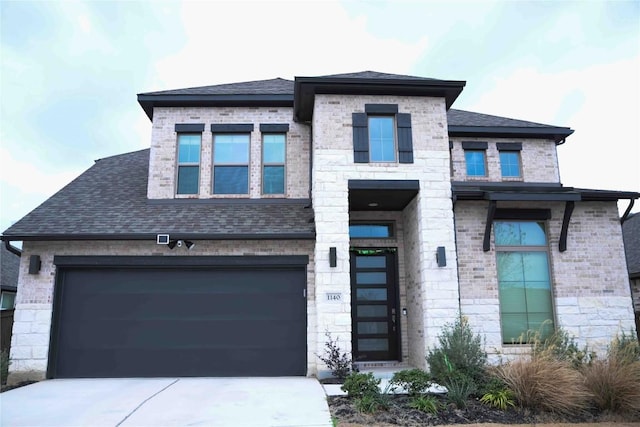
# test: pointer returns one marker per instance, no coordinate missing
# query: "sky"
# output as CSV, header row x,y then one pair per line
x,y
70,72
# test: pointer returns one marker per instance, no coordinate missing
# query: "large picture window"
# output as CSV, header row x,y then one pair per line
x,y
188,163
231,163
524,280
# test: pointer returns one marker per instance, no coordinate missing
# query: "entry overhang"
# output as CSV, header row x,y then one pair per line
x,y
381,195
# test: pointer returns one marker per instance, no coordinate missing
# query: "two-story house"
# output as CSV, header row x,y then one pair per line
x,y
268,213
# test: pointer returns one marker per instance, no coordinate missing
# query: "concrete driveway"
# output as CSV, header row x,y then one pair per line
x,y
167,402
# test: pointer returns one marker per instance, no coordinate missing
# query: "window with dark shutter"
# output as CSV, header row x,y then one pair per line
x,y
362,135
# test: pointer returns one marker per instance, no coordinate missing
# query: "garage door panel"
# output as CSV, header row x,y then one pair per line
x,y
205,322
177,306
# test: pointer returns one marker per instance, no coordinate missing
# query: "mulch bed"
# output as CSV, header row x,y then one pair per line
x,y
399,413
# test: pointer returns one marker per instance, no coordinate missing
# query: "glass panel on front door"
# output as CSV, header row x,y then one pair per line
x,y
374,307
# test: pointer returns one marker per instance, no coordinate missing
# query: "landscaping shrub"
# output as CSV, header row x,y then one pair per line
x,y
360,384
459,388
4,366
497,394
425,403
414,381
340,363
459,351
614,382
370,403
560,345
543,382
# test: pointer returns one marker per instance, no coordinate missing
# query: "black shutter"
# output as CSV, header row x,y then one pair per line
x,y
360,138
405,144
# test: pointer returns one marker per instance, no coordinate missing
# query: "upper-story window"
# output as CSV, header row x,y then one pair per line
x,y
510,159
231,158
231,164
524,280
382,139
274,141
381,134
475,158
189,144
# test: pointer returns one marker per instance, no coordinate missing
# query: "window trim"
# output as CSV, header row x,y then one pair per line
x,y
232,132
263,163
187,164
526,248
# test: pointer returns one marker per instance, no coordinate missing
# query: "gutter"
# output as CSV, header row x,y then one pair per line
x,y
153,236
12,249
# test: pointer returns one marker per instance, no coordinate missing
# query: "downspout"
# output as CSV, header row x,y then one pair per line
x,y
12,249
625,216
310,165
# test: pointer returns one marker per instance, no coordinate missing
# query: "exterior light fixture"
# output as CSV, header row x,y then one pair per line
x,y
441,257
172,244
189,244
333,258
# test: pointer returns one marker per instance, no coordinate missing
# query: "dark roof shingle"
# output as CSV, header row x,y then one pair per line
x,y
276,86
109,201
10,266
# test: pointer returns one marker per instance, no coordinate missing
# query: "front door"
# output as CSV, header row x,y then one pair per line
x,y
374,310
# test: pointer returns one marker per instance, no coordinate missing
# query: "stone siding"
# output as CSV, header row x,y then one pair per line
x,y
162,163
539,161
34,300
590,288
333,167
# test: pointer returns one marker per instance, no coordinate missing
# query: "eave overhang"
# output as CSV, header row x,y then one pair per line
x,y
305,89
533,192
183,235
149,102
557,134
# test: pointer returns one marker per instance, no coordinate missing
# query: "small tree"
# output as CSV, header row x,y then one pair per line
x,y
339,362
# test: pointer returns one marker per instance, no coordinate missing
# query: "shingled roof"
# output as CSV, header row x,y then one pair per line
x,y
109,201
276,86
9,267
631,236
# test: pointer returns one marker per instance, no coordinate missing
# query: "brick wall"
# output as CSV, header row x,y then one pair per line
x,y
539,161
589,283
162,163
32,322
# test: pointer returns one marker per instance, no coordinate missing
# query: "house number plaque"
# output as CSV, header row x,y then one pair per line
x,y
331,296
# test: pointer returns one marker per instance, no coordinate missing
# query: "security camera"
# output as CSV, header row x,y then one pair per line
x,y
179,243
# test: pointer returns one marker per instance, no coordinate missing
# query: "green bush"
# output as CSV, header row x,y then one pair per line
x,y
459,388
4,365
460,352
414,381
425,404
370,403
560,345
360,384
498,398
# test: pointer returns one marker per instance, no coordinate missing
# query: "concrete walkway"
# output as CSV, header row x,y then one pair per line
x,y
248,402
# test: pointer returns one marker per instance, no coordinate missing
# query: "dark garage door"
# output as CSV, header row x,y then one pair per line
x,y
123,321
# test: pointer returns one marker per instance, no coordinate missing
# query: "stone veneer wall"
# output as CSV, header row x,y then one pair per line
x,y
333,167
162,162
32,322
539,161
590,288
